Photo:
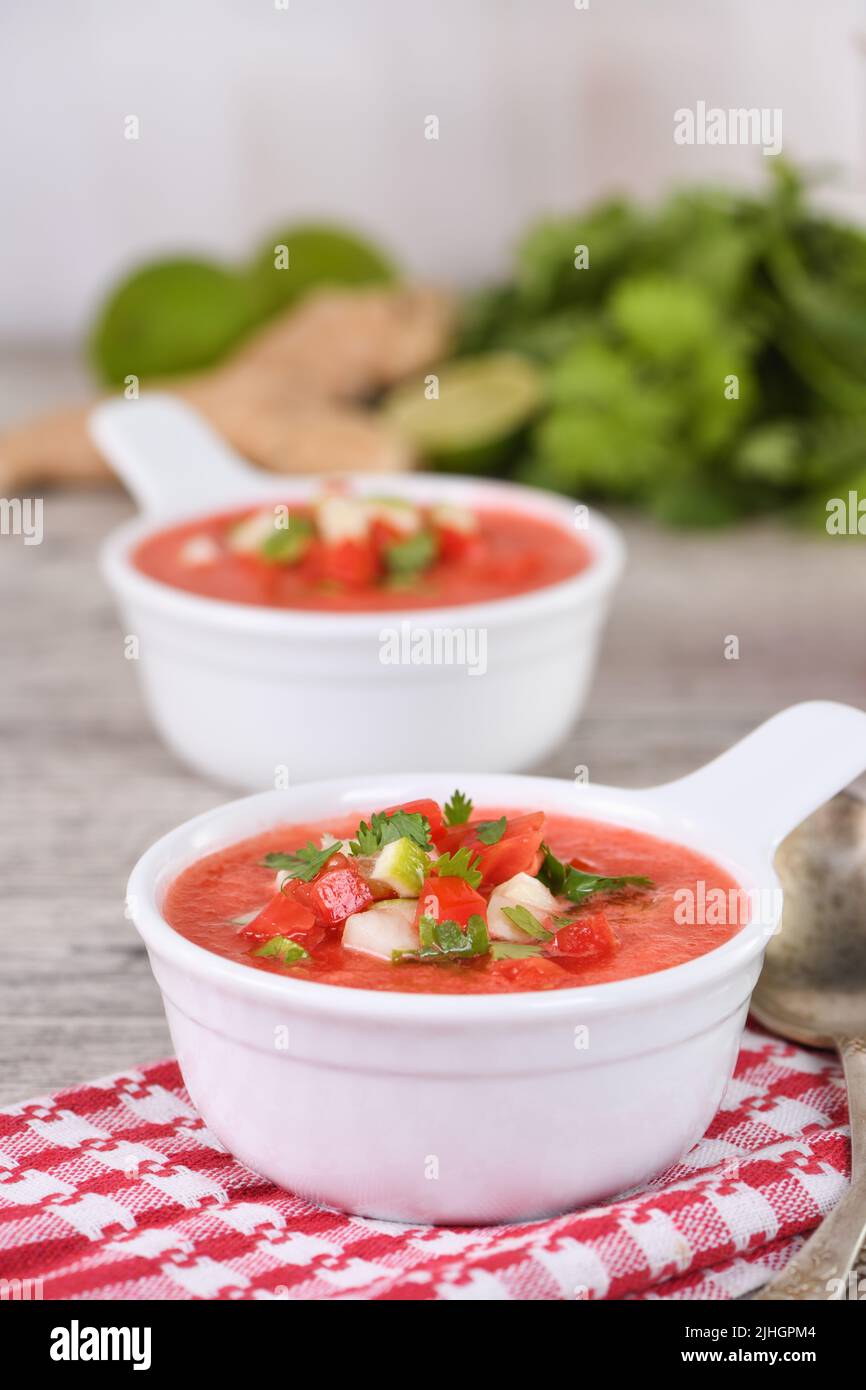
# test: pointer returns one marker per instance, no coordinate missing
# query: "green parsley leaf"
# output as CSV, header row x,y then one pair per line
x,y
283,949
458,809
303,863
568,882
383,829
368,841
490,832
526,921
461,864
288,544
513,950
447,941
411,555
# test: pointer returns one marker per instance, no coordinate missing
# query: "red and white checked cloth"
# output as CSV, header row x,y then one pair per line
x,y
117,1190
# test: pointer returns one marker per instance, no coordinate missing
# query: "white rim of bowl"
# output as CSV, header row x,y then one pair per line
x,y
601,536
313,997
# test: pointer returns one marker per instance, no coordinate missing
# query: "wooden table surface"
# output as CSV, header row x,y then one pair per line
x,y
86,785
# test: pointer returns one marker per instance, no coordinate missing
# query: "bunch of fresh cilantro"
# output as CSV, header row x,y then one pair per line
x,y
705,360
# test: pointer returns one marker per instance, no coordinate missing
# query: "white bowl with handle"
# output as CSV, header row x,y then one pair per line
x,y
256,696
473,1108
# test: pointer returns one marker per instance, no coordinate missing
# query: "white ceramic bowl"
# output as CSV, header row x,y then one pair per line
x,y
255,696
469,1109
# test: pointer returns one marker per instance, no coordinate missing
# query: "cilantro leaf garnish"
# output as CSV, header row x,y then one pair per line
x,y
288,544
410,825
303,863
447,941
458,809
568,882
412,554
526,921
283,949
513,950
461,864
368,841
490,832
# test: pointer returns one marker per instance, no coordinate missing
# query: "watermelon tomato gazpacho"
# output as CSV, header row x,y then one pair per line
x,y
431,899
345,553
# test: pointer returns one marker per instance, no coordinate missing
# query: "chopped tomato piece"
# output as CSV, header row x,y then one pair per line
x,y
522,825
455,544
354,563
530,972
457,835
451,837
424,807
336,893
449,900
588,938
383,535
516,852
282,916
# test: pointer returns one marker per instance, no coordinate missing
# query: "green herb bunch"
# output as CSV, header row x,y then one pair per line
x,y
705,360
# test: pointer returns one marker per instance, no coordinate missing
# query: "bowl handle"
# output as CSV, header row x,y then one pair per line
x,y
776,776
168,456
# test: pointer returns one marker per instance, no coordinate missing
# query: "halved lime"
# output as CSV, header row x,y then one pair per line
x,y
477,409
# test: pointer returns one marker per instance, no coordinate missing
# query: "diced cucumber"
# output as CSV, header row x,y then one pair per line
x,y
341,519
395,512
520,891
452,518
401,865
386,927
282,542
288,544
249,535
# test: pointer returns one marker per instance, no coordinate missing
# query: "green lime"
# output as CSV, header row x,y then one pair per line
x,y
169,317
297,259
475,412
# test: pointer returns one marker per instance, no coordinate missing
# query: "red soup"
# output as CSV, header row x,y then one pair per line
x,y
448,900
342,553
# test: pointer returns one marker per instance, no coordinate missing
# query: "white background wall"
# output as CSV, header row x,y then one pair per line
x,y
250,114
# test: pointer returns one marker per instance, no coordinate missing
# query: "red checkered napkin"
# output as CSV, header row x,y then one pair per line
x,y
117,1190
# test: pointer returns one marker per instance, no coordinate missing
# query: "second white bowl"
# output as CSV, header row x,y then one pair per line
x,y
255,696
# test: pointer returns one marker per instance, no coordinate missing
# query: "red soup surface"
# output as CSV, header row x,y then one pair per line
x,y
603,931
360,563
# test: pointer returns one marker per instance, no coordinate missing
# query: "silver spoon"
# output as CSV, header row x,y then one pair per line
x,y
813,991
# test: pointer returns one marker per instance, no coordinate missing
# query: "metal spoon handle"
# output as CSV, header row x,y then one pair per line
x,y
820,1270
